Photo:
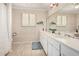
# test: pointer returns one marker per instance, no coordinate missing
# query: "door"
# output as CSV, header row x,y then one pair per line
x,y
4,40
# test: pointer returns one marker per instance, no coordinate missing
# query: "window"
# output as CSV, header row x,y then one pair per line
x,y
61,20
28,19
64,20
25,19
32,19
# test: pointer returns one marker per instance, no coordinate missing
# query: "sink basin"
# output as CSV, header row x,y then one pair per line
x,y
76,35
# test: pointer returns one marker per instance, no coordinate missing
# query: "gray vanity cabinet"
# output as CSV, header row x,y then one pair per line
x,y
67,51
53,48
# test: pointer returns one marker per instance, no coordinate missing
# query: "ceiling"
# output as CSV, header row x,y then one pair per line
x,y
31,5
69,8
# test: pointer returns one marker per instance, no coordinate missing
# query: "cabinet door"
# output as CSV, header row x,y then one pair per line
x,y
45,45
4,40
52,51
43,40
67,51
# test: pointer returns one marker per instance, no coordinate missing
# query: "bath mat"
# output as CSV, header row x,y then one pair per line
x,y
36,46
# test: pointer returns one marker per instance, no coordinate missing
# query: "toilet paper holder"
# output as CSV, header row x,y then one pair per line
x,y
14,34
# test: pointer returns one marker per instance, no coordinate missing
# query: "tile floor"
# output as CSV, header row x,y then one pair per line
x,y
25,49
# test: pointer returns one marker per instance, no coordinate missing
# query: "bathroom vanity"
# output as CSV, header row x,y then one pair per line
x,y
59,45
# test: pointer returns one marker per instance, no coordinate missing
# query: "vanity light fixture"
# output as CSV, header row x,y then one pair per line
x,y
52,5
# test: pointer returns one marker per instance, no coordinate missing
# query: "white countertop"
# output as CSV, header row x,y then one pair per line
x,y
70,42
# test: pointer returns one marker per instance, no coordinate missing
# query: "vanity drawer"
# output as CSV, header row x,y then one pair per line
x,y
54,43
67,51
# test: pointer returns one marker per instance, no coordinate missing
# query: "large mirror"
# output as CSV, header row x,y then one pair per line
x,y
65,19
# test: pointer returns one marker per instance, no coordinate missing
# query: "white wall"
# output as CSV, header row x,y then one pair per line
x,y
77,19
71,22
29,33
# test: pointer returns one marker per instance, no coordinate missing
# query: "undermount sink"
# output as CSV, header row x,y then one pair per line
x,y
67,35
76,35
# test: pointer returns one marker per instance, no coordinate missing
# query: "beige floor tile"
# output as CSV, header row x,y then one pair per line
x,y
36,52
24,49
